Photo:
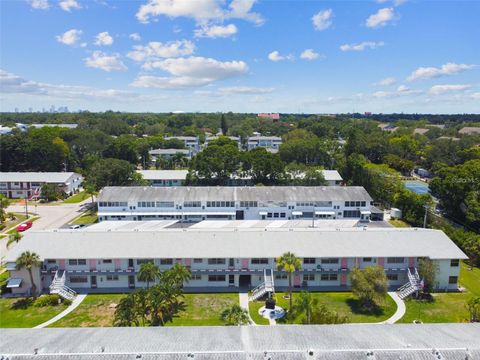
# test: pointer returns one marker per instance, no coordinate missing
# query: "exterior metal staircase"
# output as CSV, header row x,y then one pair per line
x,y
267,286
58,286
413,284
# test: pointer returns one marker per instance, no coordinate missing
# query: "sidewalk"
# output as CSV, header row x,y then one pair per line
x,y
77,301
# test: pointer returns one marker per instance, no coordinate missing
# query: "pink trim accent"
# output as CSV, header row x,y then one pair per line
x,y
61,265
93,264
411,262
296,280
344,263
381,261
188,262
343,279
245,263
118,264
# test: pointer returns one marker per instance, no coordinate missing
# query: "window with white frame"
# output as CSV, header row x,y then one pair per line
x,y
216,278
309,260
329,277
166,261
216,261
196,277
308,277
395,260
74,262
329,261
112,277
78,279
259,261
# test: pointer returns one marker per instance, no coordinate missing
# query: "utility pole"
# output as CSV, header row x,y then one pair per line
x,y
26,205
313,217
425,217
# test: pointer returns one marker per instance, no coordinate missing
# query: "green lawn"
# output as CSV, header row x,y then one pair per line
x,y
253,307
89,217
204,309
76,198
10,223
446,307
343,303
95,310
398,223
25,318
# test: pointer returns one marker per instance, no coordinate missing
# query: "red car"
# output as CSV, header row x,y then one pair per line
x,y
25,226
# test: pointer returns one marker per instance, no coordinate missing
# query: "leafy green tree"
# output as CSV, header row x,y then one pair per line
x,y
289,263
224,125
51,192
90,190
149,272
29,261
110,172
370,285
263,166
15,236
4,203
124,312
412,205
305,303
428,270
235,315
323,315
473,307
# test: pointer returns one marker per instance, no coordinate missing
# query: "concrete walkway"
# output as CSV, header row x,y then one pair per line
x,y
400,309
77,301
243,299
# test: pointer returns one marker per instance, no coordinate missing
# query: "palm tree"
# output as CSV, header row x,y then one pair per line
x,y
305,303
28,260
124,312
14,237
148,272
177,275
289,263
90,190
235,315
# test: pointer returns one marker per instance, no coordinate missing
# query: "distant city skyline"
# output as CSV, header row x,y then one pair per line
x,y
380,56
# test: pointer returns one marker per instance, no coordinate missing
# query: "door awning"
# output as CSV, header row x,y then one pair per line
x,y
297,213
14,283
263,213
324,212
365,212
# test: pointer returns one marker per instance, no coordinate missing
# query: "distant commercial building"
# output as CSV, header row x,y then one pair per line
x,y
165,177
273,116
268,142
388,127
190,142
109,261
230,203
28,184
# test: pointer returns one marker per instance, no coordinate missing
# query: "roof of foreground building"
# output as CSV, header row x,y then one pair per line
x,y
339,342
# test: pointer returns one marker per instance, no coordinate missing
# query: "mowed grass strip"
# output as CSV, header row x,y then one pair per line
x,y
96,310
28,317
344,303
446,307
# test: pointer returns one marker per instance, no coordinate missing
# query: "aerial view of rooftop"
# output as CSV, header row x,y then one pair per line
x,y
239,179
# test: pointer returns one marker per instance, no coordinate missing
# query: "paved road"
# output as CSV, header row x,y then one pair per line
x,y
51,217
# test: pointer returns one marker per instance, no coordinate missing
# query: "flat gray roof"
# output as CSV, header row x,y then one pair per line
x,y
345,342
164,174
257,138
272,224
246,193
238,243
49,177
168,151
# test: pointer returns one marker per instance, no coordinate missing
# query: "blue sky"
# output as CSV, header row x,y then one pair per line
x,y
241,55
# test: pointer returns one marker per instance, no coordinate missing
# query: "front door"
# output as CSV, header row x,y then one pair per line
x,y
240,215
130,263
231,280
131,281
244,280
231,263
93,281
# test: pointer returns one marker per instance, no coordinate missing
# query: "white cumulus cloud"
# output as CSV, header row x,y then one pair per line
x,y
68,5
442,89
362,46
70,37
39,4
381,18
190,72
135,37
245,90
103,38
322,19
423,73
216,31
386,82
309,54
275,56
103,61
200,10
156,50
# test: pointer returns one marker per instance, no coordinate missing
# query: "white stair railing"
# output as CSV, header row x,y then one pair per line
x,y
413,285
267,286
58,286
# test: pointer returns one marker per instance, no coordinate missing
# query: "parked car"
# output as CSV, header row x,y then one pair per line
x,y
76,226
25,226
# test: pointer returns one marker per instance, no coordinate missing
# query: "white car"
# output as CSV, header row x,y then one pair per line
x,y
76,227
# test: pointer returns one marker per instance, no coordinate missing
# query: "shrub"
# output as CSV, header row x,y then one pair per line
x,y
47,300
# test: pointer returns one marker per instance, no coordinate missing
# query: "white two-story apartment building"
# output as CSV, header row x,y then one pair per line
x,y
190,142
27,184
234,203
271,143
109,261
